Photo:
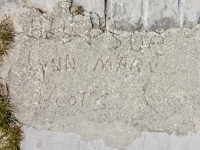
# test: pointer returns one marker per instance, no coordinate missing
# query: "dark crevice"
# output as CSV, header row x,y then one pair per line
x,y
40,11
105,11
105,8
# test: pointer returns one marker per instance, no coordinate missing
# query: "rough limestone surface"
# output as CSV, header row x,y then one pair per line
x,y
64,75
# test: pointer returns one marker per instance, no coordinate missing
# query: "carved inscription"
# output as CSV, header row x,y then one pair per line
x,y
69,63
122,63
74,100
103,64
143,79
140,42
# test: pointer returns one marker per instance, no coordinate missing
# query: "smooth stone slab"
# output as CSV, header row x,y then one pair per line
x,y
51,140
44,5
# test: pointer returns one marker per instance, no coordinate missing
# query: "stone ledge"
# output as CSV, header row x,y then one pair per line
x,y
126,15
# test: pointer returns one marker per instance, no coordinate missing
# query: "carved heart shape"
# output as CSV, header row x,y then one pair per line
x,y
166,102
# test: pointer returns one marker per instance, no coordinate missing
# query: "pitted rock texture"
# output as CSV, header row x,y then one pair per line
x,y
67,76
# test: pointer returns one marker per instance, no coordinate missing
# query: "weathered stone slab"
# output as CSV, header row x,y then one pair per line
x,y
191,13
94,6
163,14
135,15
69,77
126,15
51,140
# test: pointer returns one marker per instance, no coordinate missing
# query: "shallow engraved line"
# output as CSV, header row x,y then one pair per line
x,y
144,90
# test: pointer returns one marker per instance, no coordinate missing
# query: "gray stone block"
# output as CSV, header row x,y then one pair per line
x,y
53,140
126,15
163,14
191,13
144,15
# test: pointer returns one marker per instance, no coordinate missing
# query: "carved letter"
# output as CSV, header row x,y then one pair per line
x,y
104,65
70,63
56,67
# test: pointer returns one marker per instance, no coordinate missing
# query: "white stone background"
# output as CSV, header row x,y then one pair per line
x,y
128,15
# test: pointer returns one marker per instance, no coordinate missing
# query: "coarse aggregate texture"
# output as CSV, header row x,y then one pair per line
x,y
73,78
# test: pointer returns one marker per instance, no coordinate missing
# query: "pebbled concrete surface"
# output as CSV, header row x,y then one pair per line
x,y
85,79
